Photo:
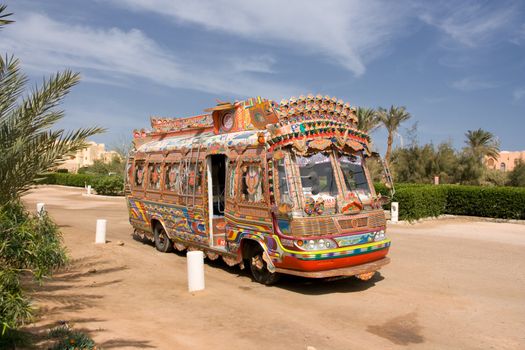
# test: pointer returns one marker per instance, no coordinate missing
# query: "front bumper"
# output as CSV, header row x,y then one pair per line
x,y
344,271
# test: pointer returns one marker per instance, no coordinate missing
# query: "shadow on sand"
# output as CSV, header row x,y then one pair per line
x,y
60,292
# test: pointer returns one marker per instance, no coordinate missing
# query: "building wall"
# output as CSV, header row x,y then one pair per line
x,y
506,160
87,156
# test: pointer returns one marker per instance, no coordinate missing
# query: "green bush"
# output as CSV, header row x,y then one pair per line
x,y
75,180
419,201
31,246
69,339
109,185
494,202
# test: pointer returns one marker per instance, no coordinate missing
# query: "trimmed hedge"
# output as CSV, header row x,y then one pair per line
x,y
494,202
104,185
419,201
66,179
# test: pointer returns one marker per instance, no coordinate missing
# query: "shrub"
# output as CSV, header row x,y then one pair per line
x,y
419,201
69,339
29,245
75,180
109,185
494,202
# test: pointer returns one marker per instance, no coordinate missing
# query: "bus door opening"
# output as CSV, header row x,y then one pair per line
x,y
216,194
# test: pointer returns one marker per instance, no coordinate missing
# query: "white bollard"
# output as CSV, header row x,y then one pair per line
x,y
89,190
100,237
394,212
195,270
40,209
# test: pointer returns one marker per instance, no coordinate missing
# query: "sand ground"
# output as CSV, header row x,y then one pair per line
x,y
452,284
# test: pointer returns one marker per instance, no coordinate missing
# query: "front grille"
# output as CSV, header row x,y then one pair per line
x,y
313,226
349,224
377,220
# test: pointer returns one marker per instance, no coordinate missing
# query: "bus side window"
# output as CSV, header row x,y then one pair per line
x,y
172,178
231,180
251,183
192,178
154,176
138,178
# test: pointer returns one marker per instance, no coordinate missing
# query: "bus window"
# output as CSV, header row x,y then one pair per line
x,y
154,176
139,174
191,179
282,183
251,183
172,178
231,181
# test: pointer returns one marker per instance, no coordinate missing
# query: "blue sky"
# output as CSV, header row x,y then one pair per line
x,y
455,65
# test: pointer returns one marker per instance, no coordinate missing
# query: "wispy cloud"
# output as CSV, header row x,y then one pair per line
x,y
350,33
518,94
470,24
117,57
473,84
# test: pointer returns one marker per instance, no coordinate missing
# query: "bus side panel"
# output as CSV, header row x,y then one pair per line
x,y
181,223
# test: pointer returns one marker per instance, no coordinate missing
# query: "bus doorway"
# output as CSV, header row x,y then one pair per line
x,y
216,165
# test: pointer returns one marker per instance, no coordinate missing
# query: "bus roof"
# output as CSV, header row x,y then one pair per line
x,y
206,139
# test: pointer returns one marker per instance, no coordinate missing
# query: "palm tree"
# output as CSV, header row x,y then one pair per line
x,y
28,147
367,119
481,144
391,119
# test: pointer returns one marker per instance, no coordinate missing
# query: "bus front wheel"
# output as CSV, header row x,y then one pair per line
x,y
162,241
260,270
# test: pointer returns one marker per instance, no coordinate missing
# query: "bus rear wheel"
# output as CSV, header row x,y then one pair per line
x,y
162,241
259,269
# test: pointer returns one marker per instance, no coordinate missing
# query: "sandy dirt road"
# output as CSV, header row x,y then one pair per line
x,y
452,284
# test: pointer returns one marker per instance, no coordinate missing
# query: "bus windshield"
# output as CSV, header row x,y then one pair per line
x,y
317,175
354,175
318,179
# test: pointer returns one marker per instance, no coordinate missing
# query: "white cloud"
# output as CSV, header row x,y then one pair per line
x,y
468,23
350,33
473,84
518,94
117,57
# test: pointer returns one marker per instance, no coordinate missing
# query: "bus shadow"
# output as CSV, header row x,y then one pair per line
x,y
303,285
320,286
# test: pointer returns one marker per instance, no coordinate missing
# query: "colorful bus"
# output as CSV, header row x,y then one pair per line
x,y
281,187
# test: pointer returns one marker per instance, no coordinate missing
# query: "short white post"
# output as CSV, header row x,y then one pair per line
x,y
40,209
89,190
394,212
195,270
100,237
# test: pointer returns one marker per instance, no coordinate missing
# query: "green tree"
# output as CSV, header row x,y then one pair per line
x,y
28,147
391,119
517,175
481,144
367,119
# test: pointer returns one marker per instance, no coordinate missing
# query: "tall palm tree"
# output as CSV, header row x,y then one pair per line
x,y
391,119
367,119
481,143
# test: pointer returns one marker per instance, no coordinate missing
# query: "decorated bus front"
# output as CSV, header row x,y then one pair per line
x,y
328,220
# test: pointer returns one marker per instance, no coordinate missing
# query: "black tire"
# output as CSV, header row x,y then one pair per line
x,y
259,268
139,237
162,242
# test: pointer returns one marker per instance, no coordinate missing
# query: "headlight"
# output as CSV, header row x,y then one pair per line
x,y
315,244
379,236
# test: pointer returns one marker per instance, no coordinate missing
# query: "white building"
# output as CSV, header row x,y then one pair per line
x,y
87,156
